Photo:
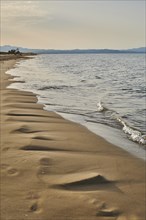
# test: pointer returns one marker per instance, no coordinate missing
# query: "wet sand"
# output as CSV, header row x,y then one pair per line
x,y
54,169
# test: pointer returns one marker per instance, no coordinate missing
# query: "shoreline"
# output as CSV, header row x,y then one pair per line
x,y
111,135
104,131
131,139
56,169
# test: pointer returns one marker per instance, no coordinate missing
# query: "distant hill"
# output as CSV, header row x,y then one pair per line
x,y
6,48
138,50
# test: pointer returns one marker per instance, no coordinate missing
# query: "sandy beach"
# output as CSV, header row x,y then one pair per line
x,y
54,169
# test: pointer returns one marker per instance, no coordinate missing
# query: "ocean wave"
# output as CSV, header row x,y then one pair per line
x,y
83,80
97,77
100,107
55,87
133,134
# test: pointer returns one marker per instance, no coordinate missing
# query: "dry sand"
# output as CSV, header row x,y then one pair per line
x,y
54,169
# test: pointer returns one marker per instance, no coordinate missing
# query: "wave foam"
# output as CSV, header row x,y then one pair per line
x,y
133,134
100,107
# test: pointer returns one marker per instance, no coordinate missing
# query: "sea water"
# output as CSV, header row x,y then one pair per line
x,y
104,92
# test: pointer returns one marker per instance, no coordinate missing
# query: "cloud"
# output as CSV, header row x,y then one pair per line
x,y
23,13
72,23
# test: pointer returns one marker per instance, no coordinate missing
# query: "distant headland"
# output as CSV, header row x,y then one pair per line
x,y
7,48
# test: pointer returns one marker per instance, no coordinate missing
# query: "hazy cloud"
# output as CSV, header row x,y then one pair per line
x,y
23,13
73,24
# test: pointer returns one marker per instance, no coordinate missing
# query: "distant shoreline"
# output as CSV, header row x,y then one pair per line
x,y
142,50
89,52
6,56
78,52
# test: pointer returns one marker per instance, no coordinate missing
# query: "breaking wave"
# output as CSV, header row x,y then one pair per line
x,y
100,107
133,134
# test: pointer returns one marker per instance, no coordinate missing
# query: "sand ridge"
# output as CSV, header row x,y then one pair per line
x,y
54,169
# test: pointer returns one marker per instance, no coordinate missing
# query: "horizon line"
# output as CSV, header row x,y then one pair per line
x,y
72,48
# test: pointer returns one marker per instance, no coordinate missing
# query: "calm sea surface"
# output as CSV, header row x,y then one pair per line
x,y
90,88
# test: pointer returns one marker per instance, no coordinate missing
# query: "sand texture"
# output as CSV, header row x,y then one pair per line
x,y
54,169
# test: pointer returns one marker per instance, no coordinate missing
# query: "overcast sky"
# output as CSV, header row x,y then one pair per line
x,y
73,24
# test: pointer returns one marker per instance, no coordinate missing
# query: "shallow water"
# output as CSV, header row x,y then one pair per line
x,y
97,88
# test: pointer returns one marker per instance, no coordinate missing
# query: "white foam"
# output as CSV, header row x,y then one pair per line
x,y
133,134
100,108
110,134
